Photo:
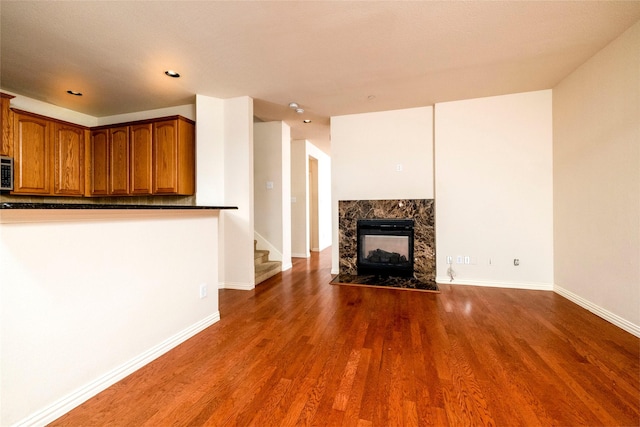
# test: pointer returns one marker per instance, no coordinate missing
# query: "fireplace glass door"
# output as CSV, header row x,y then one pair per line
x,y
385,247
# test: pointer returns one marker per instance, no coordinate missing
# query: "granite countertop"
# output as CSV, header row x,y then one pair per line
x,y
12,205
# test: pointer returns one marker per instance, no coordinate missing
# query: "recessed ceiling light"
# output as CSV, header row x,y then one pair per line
x,y
293,105
172,73
371,97
74,93
299,110
307,121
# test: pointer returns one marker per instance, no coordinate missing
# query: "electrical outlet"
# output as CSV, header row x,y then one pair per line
x,y
203,290
467,259
516,262
449,259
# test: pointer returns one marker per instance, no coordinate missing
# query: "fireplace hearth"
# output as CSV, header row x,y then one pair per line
x,y
385,247
420,211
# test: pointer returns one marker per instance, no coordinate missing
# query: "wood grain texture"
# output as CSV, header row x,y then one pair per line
x,y
298,351
99,162
141,166
32,154
68,160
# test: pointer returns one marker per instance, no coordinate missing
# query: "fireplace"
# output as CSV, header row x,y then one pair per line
x,y
385,247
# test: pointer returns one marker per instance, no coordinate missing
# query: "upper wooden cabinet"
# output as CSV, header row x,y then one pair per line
x,y
140,137
48,156
119,161
6,127
144,158
31,153
99,163
173,157
68,160
52,157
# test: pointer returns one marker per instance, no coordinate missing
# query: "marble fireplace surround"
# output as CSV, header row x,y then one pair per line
x,y
420,210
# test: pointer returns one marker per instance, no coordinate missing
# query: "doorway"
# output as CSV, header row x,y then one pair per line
x,y
314,238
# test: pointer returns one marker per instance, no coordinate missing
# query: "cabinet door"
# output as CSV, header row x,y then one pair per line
x,y
31,152
68,160
165,157
119,161
100,162
186,157
5,125
141,159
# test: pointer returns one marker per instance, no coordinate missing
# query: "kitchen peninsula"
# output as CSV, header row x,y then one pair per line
x,y
102,290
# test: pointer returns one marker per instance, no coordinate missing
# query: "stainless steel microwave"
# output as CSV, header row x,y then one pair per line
x,y
6,173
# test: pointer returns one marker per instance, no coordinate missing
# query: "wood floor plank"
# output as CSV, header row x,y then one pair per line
x,y
297,351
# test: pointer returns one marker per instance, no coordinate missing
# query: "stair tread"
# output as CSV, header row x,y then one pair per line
x,y
267,270
268,265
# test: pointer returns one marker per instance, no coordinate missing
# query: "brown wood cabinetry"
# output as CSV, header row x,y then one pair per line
x,y
119,161
52,157
48,156
173,156
141,158
68,160
144,158
99,163
6,127
32,155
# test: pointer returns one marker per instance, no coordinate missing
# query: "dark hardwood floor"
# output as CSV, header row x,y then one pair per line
x,y
298,351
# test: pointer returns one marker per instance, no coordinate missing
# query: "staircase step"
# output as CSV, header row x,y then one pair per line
x,y
260,256
266,270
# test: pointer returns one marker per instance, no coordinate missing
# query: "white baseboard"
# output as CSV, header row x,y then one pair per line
x,y
74,399
496,284
287,266
237,286
599,311
300,255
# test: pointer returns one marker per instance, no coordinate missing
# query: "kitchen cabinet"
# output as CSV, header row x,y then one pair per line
x,y
31,154
68,160
174,156
119,161
141,164
48,156
5,125
147,157
99,163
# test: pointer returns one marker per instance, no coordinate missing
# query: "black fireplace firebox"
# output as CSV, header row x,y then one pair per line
x,y
385,247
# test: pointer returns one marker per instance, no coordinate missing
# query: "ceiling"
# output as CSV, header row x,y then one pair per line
x,y
331,57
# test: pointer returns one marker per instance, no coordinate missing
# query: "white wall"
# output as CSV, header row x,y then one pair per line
x,y
596,114
299,196
494,195
236,233
49,110
368,149
272,160
324,195
209,151
87,297
301,150
188,111
45,109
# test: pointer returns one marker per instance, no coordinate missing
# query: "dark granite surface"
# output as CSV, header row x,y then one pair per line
x,y
424,245
7,205
386,282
